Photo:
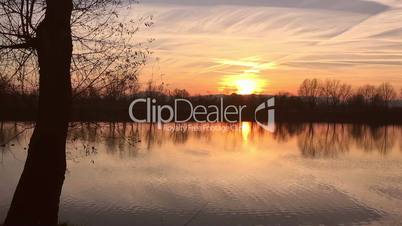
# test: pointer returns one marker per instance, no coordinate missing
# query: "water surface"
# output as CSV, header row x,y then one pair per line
x,y
219,174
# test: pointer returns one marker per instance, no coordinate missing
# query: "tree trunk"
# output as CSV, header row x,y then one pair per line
x,y
36,199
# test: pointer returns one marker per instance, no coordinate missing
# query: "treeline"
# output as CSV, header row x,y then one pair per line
x,y
317,100
334,101
333,93
94,103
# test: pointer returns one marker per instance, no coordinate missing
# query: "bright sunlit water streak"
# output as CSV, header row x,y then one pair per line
x,y
245,131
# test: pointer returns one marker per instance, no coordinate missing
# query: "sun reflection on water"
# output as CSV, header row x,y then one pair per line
x,y
245,131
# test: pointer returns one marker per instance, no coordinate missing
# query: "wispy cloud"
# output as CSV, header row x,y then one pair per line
x,y
354,40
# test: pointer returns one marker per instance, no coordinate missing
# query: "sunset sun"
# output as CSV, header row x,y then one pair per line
x,y
248,79
246,86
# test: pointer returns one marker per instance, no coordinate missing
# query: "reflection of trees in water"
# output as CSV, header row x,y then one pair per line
x,y
180,134
374,138
328,140
323,140
128,139
121,138
13,134
153,136
114,138
84,131
363,136
400,139
286,131
10,132
385,138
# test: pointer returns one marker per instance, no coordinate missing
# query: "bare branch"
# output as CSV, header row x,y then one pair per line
x,y
105,49
17,46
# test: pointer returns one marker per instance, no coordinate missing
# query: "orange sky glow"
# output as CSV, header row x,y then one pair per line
x,y
255,47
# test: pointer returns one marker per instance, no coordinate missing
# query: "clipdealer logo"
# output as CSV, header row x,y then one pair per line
x,y
268,106
162,114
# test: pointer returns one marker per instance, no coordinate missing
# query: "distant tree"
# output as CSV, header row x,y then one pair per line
x,y
357,100
328,90
89,93
284,94
345,93
5,86
310,89
367,92
334,91
119,89
400,94
156,91
386,92
180,93
286,100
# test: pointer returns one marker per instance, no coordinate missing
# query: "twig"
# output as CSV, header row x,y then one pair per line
x,y
16,135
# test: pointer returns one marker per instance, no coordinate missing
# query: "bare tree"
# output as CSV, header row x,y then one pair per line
x,y
105,50
368,93
154,90
335,92
400,94
345,92
37,195
119,89
310,88
180,93
329,90
386,93
5,86
38,36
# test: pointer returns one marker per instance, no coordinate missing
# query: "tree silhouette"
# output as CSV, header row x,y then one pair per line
x,y
335,92
386,93
310,88
368,92
400,94
36,198
105,49
38,36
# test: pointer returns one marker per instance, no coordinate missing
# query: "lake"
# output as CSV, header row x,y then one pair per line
x,y
221,174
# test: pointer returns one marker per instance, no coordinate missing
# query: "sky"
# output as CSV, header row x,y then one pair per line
x,y
268,46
